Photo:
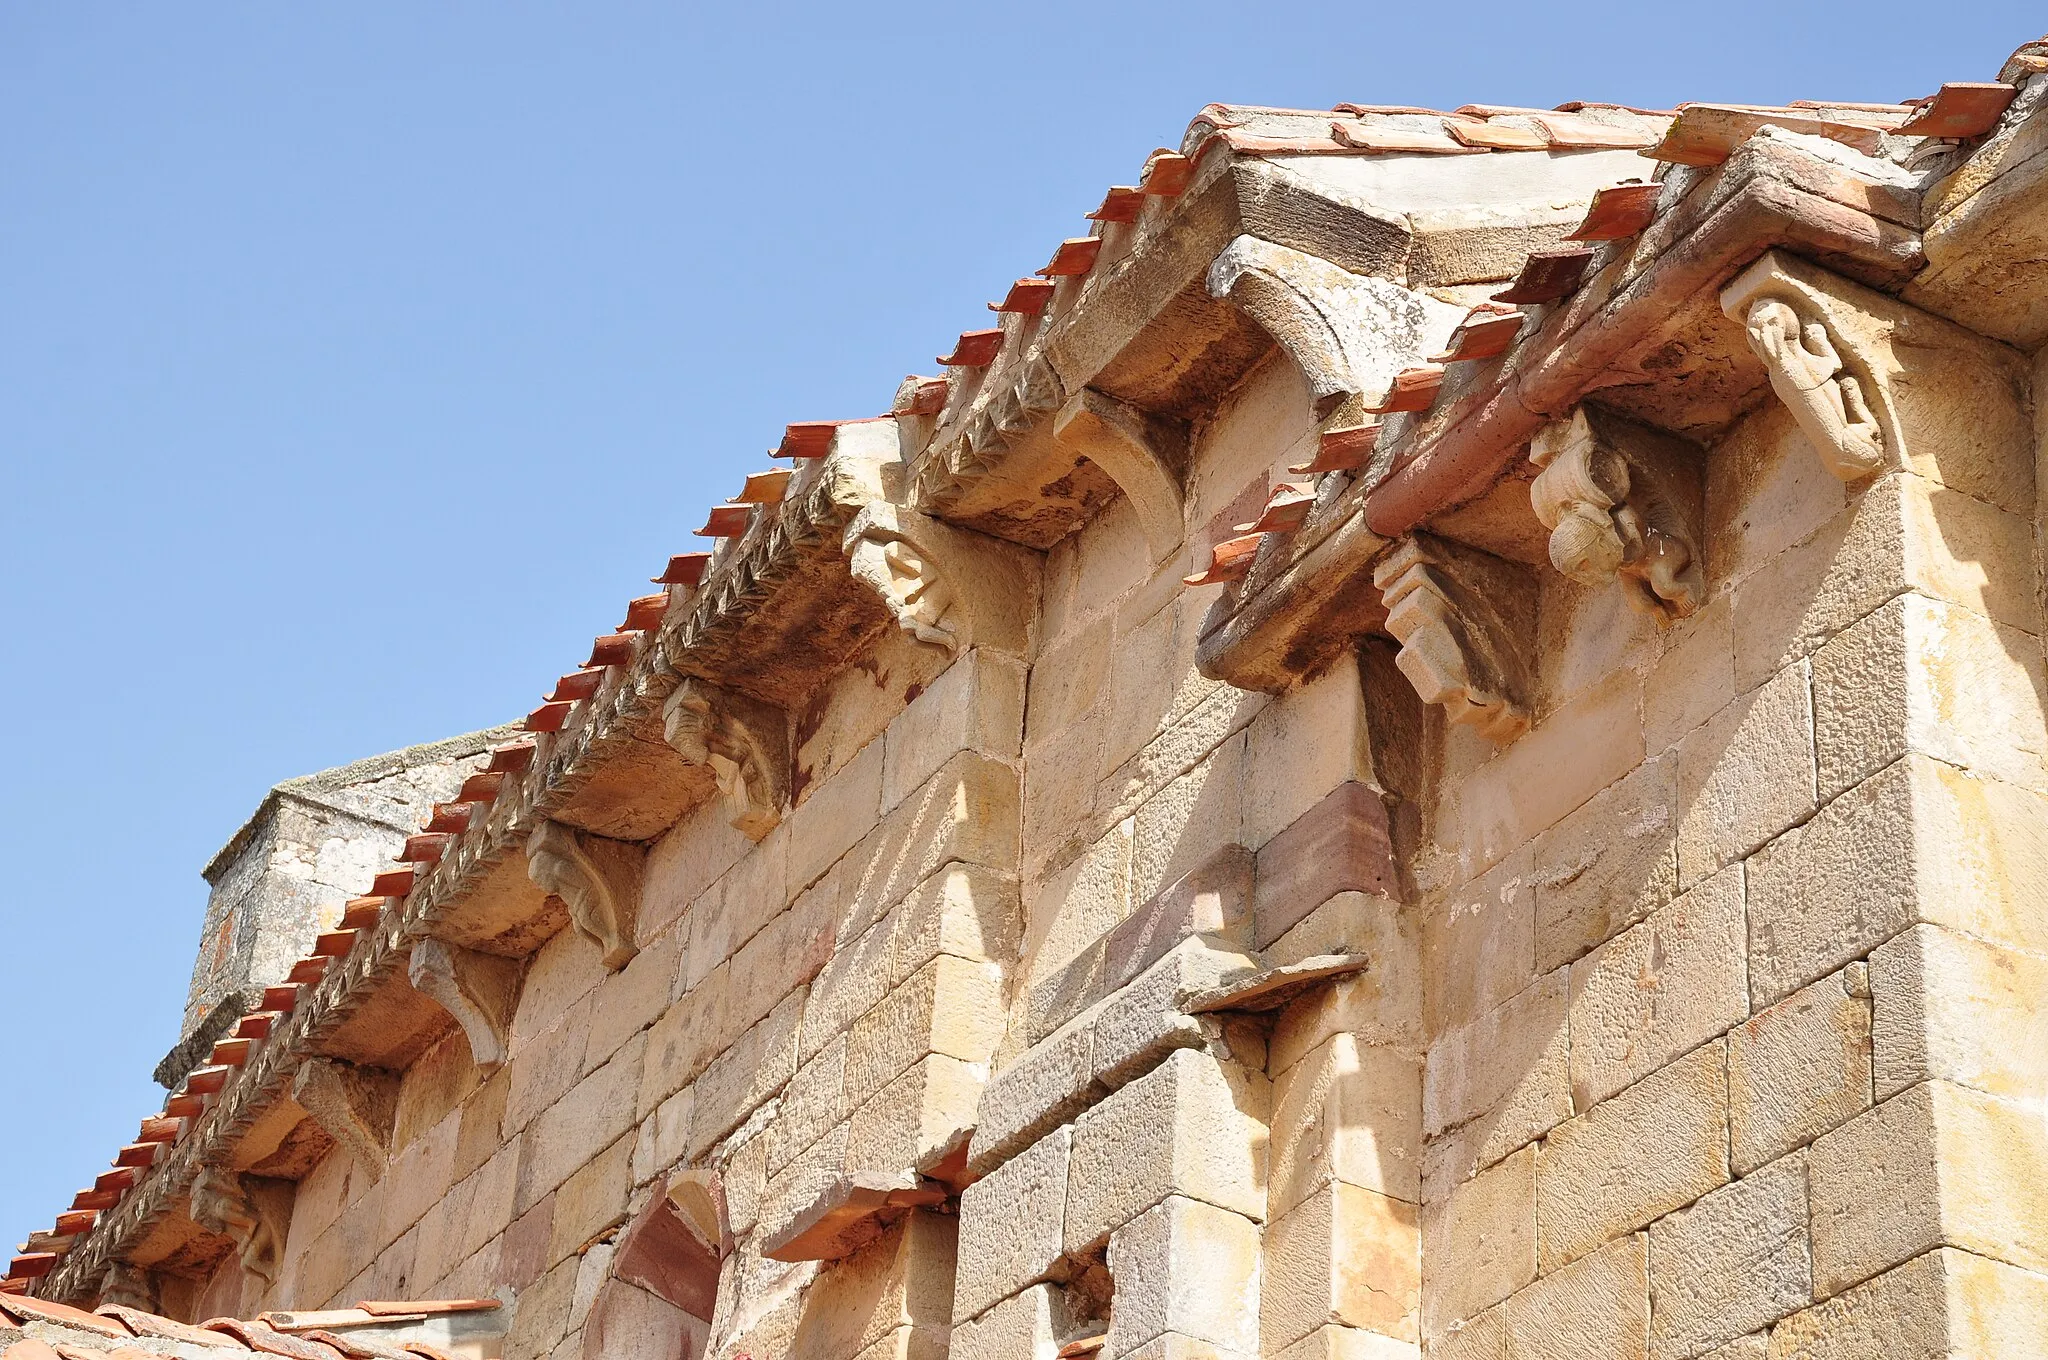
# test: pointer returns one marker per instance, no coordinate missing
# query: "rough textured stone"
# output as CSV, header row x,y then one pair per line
x,y
1606,866
1479,1244
1799,1069
1049,1085
902,1280
1342,844
1343,1255
1952,1008
1945,1303
1026,1326
1012,1225
1734,1263
1347,1112
1188,1268
1746,775
1656,1147
1509,1067
1598,1305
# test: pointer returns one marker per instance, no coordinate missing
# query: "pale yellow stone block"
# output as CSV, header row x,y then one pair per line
x,y
1732,1264
1193,1126
1350,1343
851,984
757,1066
1598,1305
1049,1085
1606,866
816,1099
1955,1009
1755,1346
1745,776
1180,826
1945,1303
592,1200
1509,1068
1936,1165
582,1124
1659,989
1343,1255
1070,676
949,1006
1348,1112
1657,1146
687,1037
968,911
1481,1338
1305,743
1693,678
833,816
1029,1325
901,1280
1012,1224
1187,1268
1382,1005
1766,491
664,1137
1799,1069
910,1123
976,705
1925,676
1479,1246
1478,944
968,811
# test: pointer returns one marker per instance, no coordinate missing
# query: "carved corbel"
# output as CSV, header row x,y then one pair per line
x,y
1462,618
479,990
1350,333
1621,500
129,1286
1125,444
950,587
253,1211
356,1106
743,742
597,879
1825,378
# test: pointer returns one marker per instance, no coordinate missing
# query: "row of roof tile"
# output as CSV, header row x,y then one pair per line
x,y
59,1330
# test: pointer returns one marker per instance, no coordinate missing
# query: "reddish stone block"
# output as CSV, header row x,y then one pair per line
x,y
1342,844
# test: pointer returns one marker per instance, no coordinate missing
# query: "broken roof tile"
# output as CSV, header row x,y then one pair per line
x,y
1569,131
1618,212
1341,450
1381,139
1285,509
1548,275
1166,173
1228,561
1413,390
30,1309
1027,297
1961,109
266,1341
569,688
1075,255
1487,332
152,1325
975,349
1478,132
927,397
684,569
1707,134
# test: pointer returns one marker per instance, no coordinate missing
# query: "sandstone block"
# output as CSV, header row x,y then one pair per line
x,y
1798,1069
1139,1025
968,811
1012,1225
1192,1127
1349,1343
1950,1008
1944,1303
1606,866
976,705
1028,1326
1598,1305
1343,1255
1483,1338
1478,945
968,911
682,1043
1189,1268
579,1126
1659,989
911,1123
1348,1112
815,1100
1511,1066
851,985
543,1068
1382,1005
1657,1146
789,1194
1693,679
949,1006
1756,1346
1936,1165
1174,1346
1068,679
902,1280
633,998
1925,676
593,1200
759,1064
1342,844
1311,739
1734,1263
833,816
1480,1245
1212,899
1745,776
1182,824
1048,1086
664,1137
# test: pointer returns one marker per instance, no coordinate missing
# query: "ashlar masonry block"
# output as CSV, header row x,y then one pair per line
x,y
1194,1127
1799,1069
1350,1343
1598,1305
1350,1113
1479,1243
903,1279
950,1006
1943,1303
1732,1264
1951,1008
913,1121
1344,1255
1936,1165
1012,1225
1188,1268
1027,1326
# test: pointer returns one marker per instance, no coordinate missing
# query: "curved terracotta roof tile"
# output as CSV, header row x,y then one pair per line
x,y
1341,450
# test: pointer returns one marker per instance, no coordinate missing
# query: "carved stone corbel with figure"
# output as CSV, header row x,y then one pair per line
x,y
743,742
597,879
946,586
255,1212
1621,501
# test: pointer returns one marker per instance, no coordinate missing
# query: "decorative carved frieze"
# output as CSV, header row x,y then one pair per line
x,y
1621,500
1121,441
1463,619
598,880
744,743
356,1106
946,586
479,990
1350,333
1825,378
254,1211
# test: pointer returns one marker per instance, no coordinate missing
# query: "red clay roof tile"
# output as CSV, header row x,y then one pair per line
x,y
974,349
1961,109
726,521
307,970
1228,561
482,787
333,944
577,685
1027,297
511,758
1413,390
762,488
1548,275
1121,204
391,883
1340,450
684,569
1075,255
551,716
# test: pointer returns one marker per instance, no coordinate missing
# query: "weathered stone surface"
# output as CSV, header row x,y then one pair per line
x,y
949,1006
1598,1305
1745,776
1350,1343
1026,1326
1950,1008
1193,1127
1606,866
1048,1086
1799,1069
1479,1245
1012,1225
1343,1255
1347,1112
1478,945
1508,1068
1943,1303
902,1280
1189,1268
1734,1263
914,1120
1936,1165
1656,1147
1342,844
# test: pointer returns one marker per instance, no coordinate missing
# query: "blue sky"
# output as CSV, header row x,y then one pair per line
x,y
358,362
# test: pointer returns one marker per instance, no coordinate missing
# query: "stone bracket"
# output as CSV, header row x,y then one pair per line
x,y
1621,499
598,880
1124,443
1350,333
851,1212
1463,619
356,1106
479,990
255,1212
947,586
743,742
1271,988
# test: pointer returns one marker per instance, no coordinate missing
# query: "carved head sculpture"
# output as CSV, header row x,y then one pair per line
x,y
1807,373
910,584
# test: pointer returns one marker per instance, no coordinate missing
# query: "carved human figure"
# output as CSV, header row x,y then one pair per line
x,y
254,1211
744,743
1807,373
1619,506
597,880
911,584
